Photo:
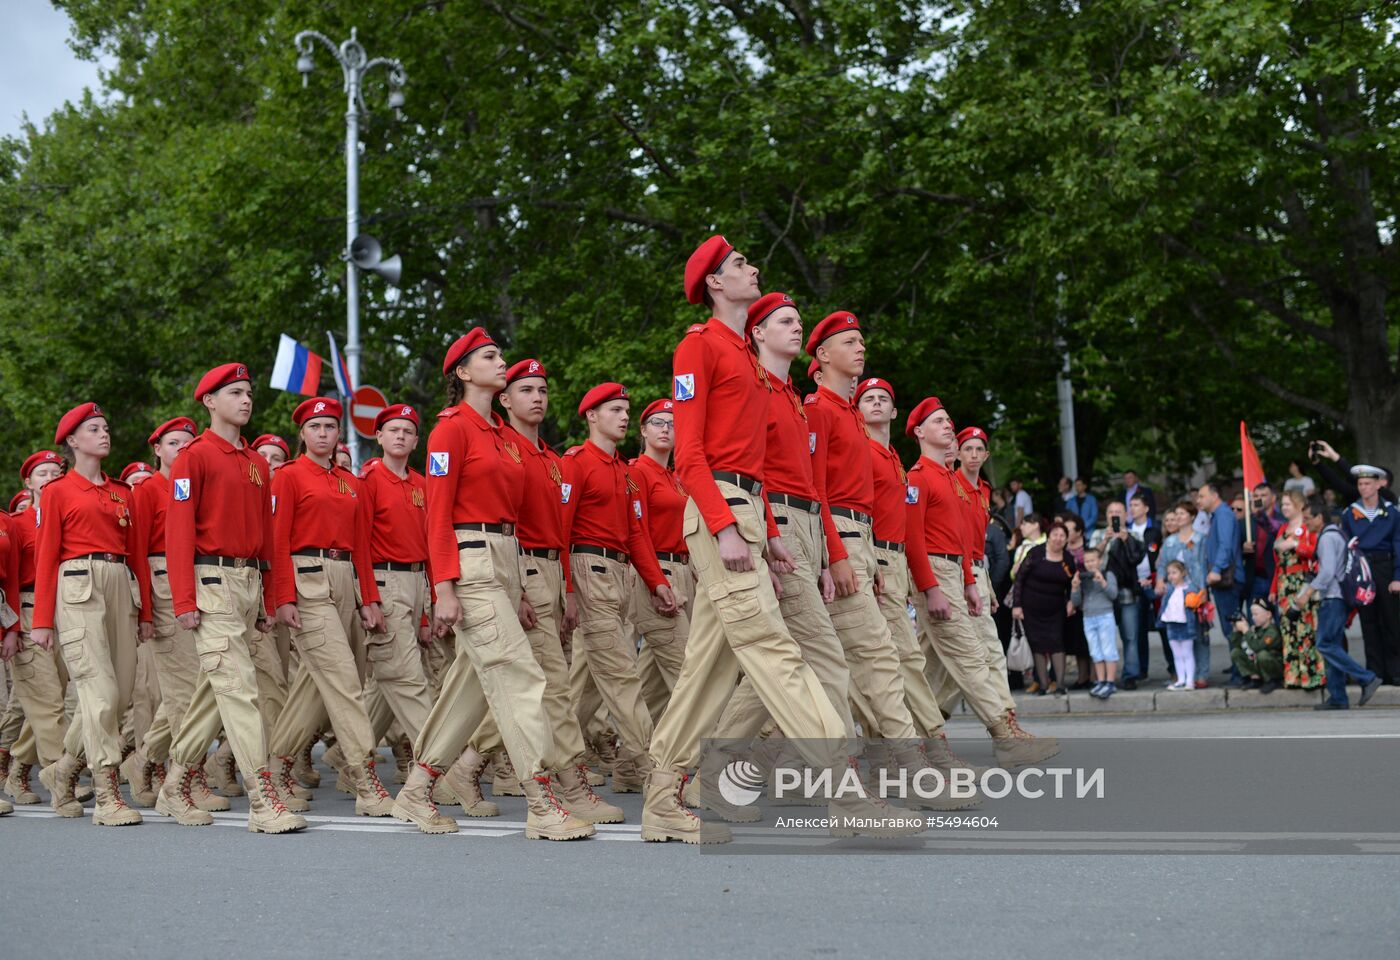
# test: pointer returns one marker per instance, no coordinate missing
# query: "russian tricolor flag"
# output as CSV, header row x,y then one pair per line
x,y
338,367
297,369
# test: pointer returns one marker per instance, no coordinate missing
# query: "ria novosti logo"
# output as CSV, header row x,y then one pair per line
x,y
741,783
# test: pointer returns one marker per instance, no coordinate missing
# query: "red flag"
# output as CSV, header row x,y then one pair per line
x,y
1253,471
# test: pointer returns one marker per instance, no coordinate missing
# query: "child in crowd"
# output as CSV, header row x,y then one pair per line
x,y
1094,590
1178,619
1257,650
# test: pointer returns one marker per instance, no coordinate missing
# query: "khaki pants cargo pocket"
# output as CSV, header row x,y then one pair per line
x,y
309,638
163,639
311,579
379,647
22,666
474,563
76,583
211,594
213,662
74,651
740,612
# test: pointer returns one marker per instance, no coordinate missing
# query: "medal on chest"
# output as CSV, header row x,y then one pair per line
x,y
122,512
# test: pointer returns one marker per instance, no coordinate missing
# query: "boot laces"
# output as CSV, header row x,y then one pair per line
x,y
186,785
284,775
115,785
1016,730
582,769
229,764
680,797
374,783
73,776
432,779
953,758
547,788
21,774
269,792
158,771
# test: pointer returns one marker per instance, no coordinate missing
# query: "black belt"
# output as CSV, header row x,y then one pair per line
x,y
672,557
504,529
397,566
597,551
748,484
954,557
26,588
980,564
788,500
109,557
850,514
325,553
161,554
544,553
236,562
889,545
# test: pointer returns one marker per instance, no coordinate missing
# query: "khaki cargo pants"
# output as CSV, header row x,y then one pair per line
x,y
230,601
949,695
38,681
894,604
663,638
494,667
737,624
96,619
605,655
176,666
960,656
329,684
805,615
544,588
394,658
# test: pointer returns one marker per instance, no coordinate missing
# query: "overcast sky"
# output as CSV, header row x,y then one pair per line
x,y
38,70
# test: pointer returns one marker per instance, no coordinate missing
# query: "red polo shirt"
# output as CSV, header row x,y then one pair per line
x,y
975,509
890,492
936,522
608,510
398,512
318,508
663,504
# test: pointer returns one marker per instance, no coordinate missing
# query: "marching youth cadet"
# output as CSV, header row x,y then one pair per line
x,y
941,569
475,479
9,646
663,505
607,531
41,679
322,583
175,662
396,500
144,711
774,327
844,470
136,473
273,449
218,538
548,608
342,457
90,575
719,388
972,452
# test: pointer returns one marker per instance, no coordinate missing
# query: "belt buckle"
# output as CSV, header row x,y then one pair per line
x,y
508,529
335,554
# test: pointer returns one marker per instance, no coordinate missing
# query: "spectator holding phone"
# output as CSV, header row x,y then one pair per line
x,y
1337,473
1121,554
1375,526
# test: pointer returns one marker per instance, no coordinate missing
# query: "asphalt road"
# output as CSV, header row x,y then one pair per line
x,y
351,885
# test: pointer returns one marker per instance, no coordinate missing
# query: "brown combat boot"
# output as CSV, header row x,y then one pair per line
x,y
6,807
463,778
111,809
414,804
266,811
204,798
504,780
1044,747
304,770
17,784
606,748
580,799
5,758
225,772
547,819
919,774
281,768
630,773
139,773
176,799
664,817
60,778
941,756
371,799
593,763
1015,747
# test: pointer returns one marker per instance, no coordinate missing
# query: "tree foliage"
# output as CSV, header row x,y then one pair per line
x,y
1195,201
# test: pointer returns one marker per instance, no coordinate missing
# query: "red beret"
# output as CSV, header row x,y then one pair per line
x,y
874,383
474,339
764,307
221,376
601,394
927,407
396,411
703,262
342,448
71,420
813,369
272,439
832,324
21,497
179,423
136,467
34,459
659,406
972,433
526,368
316,407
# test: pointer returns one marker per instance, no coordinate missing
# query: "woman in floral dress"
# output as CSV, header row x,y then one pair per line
x,y
1295,549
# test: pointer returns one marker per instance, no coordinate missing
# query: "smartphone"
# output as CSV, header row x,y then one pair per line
x,y
1314,450
1116,523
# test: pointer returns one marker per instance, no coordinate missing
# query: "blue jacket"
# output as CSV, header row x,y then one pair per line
x,y
1223,548
1381,535
1087,509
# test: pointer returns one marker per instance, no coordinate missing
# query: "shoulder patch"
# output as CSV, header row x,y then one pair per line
x,y
695,328
182,488
438,463
566,490
685,386
809,399
911,494
449,412
573,451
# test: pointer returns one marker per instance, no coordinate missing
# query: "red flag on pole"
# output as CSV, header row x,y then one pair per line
x,y
1253,471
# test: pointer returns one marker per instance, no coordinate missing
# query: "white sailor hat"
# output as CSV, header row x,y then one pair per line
x,y
1366,470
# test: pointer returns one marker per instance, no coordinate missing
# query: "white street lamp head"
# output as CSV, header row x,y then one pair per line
x,y
396,98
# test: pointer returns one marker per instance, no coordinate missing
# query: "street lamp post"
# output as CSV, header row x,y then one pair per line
x,y
354,64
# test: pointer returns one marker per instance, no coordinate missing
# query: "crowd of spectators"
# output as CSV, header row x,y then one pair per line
x,y
1089,580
